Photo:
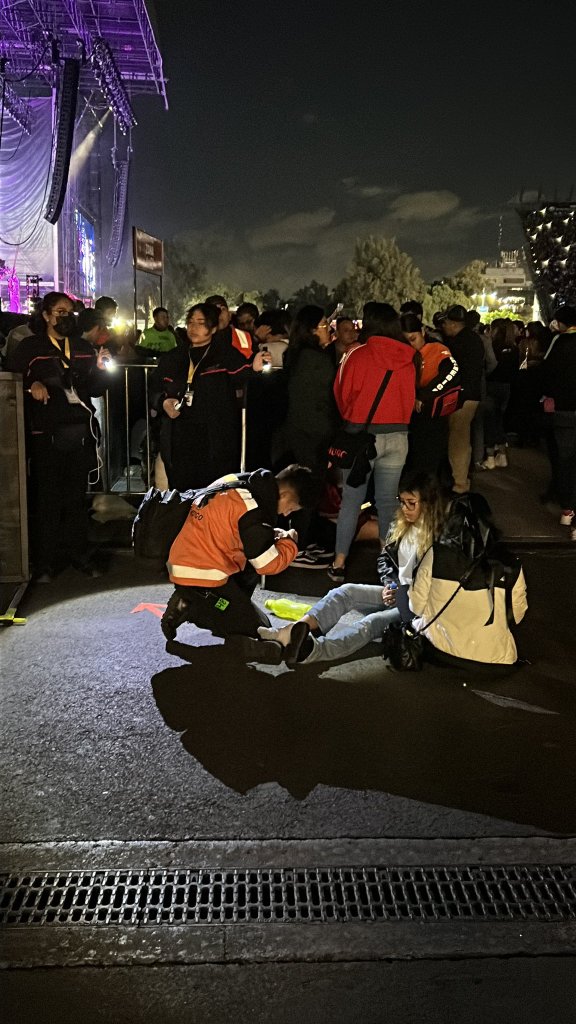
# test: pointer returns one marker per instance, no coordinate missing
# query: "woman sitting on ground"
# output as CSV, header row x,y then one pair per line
x,y
417,524
468,624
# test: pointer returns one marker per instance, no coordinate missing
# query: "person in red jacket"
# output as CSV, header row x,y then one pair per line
x,y
229,539
359,377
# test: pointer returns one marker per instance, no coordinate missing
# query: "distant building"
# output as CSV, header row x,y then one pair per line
x,y
509,284
550,231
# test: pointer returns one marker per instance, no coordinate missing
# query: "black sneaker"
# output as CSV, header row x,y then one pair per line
x,y
299,645
312,560
337,573
315,549
88,568
266,652
176,613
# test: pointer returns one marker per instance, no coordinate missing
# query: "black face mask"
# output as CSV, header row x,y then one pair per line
x,y
66,325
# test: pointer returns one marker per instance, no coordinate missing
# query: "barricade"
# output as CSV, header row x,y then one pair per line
x,y
126,417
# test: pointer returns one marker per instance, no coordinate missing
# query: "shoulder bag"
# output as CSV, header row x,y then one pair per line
x,y
347,447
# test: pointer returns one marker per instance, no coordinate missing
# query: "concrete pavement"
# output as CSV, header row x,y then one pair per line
x,y
115,751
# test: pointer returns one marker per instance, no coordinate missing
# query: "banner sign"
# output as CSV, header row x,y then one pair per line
x,y
148,252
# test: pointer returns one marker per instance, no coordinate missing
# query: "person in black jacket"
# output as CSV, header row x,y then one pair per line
x,y
312,417
61,372
559,390
499,383
468,351
200,435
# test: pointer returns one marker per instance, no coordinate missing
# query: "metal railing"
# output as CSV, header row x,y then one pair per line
x,y
125,415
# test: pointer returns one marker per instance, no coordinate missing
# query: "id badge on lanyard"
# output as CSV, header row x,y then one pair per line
x,y
72,396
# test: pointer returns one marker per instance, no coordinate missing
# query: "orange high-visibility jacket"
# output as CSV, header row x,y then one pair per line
x,y
233,528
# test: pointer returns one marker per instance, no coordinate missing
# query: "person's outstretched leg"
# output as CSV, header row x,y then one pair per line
x,y
306,649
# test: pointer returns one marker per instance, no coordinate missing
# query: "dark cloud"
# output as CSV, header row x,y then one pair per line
x,y
294,131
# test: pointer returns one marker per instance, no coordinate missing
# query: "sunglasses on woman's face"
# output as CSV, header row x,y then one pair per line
x,y
409,503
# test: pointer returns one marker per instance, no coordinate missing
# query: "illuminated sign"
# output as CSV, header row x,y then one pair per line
x,y
148,252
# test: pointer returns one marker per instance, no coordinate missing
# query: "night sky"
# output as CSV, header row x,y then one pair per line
x,y
294,129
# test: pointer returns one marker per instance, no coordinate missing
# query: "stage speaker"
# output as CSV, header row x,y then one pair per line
x,y
121,174
66,117
13,508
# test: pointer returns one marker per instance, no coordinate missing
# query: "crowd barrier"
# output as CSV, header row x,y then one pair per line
x,y
130,427
127,419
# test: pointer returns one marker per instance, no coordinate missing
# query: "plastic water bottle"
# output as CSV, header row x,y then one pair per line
x,y
285,609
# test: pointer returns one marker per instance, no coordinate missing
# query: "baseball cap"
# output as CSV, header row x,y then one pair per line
x,y
565,315
456,313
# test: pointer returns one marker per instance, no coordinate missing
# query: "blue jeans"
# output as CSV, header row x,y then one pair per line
x,y
360,597
391,452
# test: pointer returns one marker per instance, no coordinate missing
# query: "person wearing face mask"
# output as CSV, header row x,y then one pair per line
x,y
61,373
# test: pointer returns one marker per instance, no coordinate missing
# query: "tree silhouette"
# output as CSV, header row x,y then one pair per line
x,y
380,271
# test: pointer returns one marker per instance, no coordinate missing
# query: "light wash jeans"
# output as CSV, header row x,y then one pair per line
x,y
360,597
391,452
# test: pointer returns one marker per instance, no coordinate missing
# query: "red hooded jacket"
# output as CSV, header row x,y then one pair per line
x,y
360,375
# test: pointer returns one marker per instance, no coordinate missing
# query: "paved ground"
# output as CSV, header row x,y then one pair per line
x,y
107,739
498,991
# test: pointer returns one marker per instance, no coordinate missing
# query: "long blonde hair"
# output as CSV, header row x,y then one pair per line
x,y
429,524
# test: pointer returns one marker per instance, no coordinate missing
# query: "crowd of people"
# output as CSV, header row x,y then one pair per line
x,y
438,404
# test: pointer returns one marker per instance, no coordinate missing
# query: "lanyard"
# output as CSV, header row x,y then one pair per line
x,y
192,369
64,355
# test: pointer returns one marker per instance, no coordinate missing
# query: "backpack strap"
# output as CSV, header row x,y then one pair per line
x,y
205,494
379,393
463,579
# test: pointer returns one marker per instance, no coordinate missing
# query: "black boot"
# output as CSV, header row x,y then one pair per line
x,y
176,613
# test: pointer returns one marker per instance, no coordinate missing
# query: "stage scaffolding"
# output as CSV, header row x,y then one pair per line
x,y
115,45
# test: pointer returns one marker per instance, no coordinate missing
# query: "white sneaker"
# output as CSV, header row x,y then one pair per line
x,y
567,517
281,635
500,460
489,462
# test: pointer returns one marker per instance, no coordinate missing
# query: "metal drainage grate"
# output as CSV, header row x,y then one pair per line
x,y
487,893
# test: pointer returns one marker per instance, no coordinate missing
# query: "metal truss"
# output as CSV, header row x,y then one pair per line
x,y
15,106
114,38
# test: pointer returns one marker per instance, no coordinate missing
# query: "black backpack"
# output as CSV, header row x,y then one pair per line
x,y
162,515
470,552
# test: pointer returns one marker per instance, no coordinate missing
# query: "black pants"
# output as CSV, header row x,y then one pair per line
x,y
428,448
225,610
59,518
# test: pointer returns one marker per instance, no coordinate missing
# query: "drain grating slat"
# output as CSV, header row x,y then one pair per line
x,y
159,896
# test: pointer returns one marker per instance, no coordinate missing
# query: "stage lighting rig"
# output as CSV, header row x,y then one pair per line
x,y
111,84
12,103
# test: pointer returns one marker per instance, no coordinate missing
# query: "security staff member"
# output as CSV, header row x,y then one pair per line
x,y
227,540
61,372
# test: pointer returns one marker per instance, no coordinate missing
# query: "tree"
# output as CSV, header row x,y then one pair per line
x,y
471,278
271,299
440,296
313,294
183,278
380,271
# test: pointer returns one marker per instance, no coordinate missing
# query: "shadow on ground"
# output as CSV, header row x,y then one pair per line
x,y
500,745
